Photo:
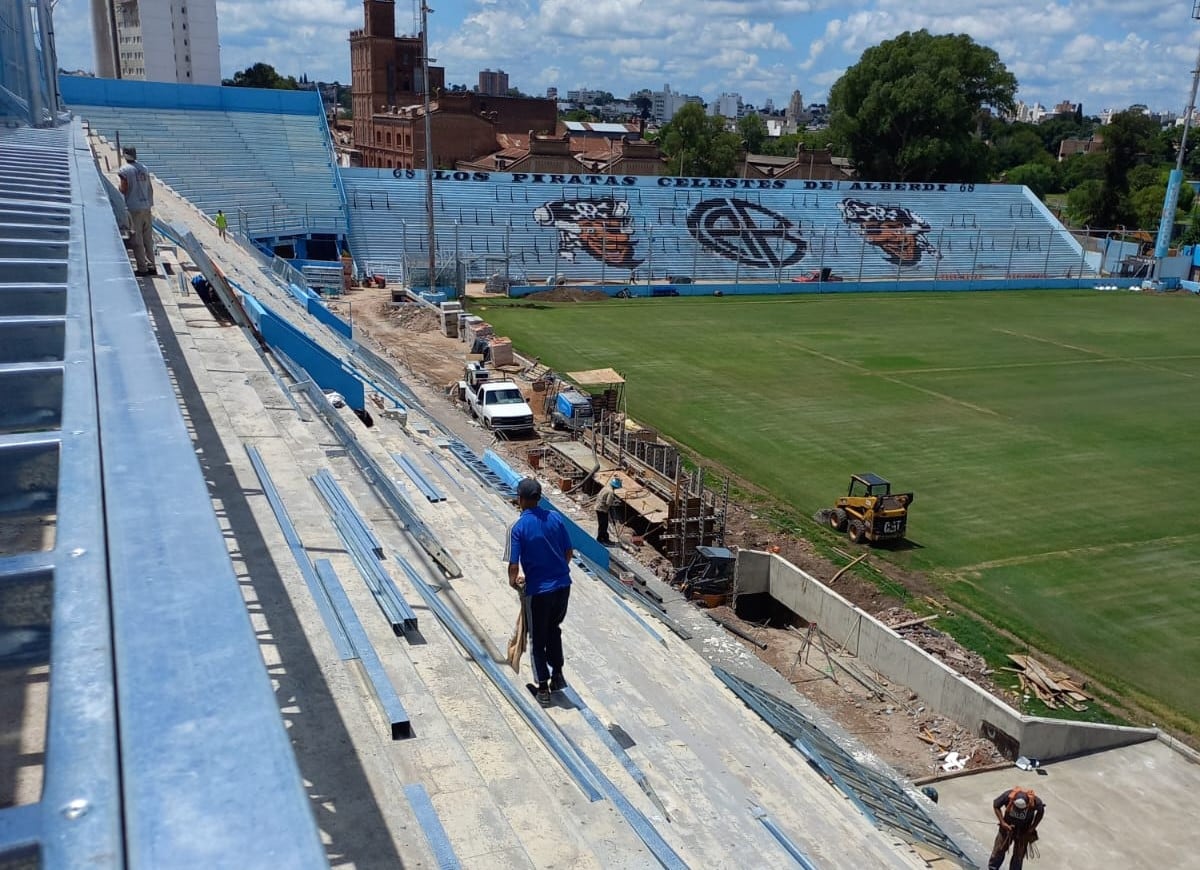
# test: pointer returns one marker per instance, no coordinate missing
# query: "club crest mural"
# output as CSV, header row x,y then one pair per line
x,y
602,229
899,233
746,232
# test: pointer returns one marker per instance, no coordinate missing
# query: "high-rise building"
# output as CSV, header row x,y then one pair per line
x,y
727,106
665,103
157,40
795,108
494,83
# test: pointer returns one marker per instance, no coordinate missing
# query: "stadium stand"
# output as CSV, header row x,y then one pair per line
x,y
264,157
712,230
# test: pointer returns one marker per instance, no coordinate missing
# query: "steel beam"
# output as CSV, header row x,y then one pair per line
x,y
431,826
567,755
385,693
332,623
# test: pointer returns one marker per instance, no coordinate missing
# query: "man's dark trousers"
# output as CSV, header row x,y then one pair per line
x,y
602,527
546,614
1020,844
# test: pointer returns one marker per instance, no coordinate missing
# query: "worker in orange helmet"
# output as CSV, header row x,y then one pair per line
x,y
1019,812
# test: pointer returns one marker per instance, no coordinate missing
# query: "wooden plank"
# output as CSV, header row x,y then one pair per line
x,y
910,622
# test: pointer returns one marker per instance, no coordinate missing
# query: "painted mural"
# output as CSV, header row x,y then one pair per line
x,y
713,229
747,233
601,228
899,233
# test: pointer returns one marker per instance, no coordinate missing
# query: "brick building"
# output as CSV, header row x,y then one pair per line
x,y
388,93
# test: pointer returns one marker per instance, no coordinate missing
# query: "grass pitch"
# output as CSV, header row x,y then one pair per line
x,y
1050,438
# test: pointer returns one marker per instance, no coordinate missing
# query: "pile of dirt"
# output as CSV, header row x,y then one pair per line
x,y
410,316
567,294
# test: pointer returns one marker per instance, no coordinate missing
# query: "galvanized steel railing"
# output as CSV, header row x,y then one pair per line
x,y
160,722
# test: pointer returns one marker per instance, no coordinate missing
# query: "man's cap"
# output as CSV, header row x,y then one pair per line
x,y
529,489
1020,803
130,152
615,483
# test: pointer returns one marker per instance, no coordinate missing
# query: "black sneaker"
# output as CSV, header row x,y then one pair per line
x,y
557,683
543,696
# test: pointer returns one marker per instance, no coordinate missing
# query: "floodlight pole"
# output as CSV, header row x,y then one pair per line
x,y
430,229
1166,224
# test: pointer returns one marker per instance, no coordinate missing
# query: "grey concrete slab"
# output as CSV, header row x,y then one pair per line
x,y
1132,808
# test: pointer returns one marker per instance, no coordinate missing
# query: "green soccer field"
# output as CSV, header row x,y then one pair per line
x,y
1050,438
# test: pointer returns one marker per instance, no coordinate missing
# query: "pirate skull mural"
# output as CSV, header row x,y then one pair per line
x,y
600,228
898,232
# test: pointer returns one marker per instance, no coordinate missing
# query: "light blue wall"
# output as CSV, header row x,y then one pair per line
x,y
608,228
640,291
87,91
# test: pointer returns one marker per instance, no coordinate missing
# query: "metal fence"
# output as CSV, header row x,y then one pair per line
x,y
28,84
674,254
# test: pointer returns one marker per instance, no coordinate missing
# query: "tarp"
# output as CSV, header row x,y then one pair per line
x,y
596,377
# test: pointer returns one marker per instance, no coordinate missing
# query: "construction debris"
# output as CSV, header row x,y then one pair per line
x,y
410,316
1053,688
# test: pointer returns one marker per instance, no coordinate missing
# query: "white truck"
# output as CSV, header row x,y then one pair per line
x,y
497,405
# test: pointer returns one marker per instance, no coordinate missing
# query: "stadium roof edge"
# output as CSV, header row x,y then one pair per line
x,y
89,91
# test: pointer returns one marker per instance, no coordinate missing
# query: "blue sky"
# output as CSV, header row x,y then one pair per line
x,y
1107,53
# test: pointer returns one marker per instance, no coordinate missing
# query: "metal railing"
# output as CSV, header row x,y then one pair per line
x,y
28,86
738,255
160,719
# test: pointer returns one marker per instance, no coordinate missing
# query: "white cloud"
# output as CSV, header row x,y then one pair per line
x,y
1105,52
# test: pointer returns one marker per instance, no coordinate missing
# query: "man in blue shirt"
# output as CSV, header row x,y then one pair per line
x,y
539,544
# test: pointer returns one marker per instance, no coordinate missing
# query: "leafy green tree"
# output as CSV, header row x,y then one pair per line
x,y
1084,203
1037,176
261,75
1145,204
1191,233
753,130
1146,176
1078,168
697,144
909,109
1054,130
1128,140
1015,145
578,115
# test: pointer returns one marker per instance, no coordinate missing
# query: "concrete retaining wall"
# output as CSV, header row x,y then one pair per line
x,y
940,688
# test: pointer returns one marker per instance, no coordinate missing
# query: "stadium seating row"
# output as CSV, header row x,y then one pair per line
x,y
588,227
273,173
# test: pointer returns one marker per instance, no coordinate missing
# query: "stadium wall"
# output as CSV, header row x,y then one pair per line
x,y
938,686
535,228
87,91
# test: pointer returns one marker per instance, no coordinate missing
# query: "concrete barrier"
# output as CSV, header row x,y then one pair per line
x,y
940,688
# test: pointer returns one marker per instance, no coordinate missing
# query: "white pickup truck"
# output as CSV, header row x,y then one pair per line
x,y
499,406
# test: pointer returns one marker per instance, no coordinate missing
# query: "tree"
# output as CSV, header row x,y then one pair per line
x,y
644,105
579,115
1016,144
1078,168
753,130
1038,177
1128,140
909,109
261,75
697,144
1084,203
